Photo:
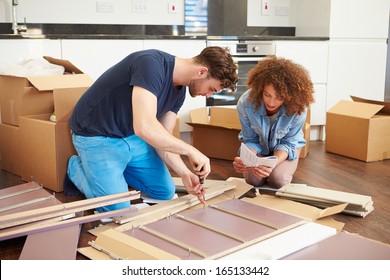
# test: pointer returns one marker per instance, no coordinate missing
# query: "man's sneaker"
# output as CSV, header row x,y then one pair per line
x,y
69,188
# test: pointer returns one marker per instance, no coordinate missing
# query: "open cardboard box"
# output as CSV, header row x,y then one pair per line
x,y
216,136
176,130
22,96
46,145
359,129
306,133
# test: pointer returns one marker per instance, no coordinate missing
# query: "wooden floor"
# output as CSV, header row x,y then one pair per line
x,y
318,169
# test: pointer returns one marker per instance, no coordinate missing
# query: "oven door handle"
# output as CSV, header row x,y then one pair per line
x,y
243,59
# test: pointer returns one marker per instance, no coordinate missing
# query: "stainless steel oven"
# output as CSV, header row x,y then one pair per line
x,y
246,54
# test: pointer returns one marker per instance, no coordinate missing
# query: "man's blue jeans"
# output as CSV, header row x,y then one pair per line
x,y
107,166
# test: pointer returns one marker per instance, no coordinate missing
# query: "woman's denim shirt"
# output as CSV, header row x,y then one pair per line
x,y
286,132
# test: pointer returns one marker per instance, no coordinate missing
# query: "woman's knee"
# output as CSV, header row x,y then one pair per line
x,y
252,180
279,179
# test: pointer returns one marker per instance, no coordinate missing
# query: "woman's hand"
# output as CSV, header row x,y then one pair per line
x,y
262,171
239,165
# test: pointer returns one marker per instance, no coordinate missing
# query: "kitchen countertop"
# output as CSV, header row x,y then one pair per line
x,y
140,32
156,37
97,36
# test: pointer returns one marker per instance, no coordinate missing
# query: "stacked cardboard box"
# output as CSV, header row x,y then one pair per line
x,y
31,145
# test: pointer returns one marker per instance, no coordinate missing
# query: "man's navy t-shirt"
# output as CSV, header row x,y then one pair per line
x,y
105,109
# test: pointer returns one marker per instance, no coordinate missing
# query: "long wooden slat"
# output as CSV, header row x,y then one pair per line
x,y
20,192
25,203
63,209
337,197
30,229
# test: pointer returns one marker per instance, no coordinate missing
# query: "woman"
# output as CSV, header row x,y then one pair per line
x,y
272,113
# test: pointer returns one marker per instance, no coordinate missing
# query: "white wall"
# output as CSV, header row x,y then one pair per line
x,y
280,13
146,12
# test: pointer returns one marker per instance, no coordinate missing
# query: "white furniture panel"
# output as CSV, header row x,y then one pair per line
x,y
16,51
185,49
319,106
356,68
94,57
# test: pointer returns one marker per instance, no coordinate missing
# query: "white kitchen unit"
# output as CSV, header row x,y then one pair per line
x,y
313,55
185,49
342,18
357,32
19,50
94,57
357,68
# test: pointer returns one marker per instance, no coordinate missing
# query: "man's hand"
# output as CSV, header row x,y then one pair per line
x,y
200,163
194,187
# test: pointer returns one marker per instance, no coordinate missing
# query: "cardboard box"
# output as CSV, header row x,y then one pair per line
x,y
176,130
216,136
359,130
10,149
21,96
306,134
45,145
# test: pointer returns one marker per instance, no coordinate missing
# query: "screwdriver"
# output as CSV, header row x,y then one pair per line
x,y
201,181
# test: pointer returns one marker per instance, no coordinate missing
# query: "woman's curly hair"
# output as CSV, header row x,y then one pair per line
x,y
291,82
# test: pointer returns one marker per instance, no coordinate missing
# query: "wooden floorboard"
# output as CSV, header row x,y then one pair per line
x,y
318,169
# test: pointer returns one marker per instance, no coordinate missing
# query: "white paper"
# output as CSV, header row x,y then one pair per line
x,y
250,159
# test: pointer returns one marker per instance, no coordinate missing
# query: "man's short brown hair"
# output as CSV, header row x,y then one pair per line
x,y
220,64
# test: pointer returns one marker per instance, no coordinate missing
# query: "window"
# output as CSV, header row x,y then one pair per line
x,y
195,17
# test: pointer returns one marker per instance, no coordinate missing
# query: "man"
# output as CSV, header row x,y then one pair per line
x,y
122,126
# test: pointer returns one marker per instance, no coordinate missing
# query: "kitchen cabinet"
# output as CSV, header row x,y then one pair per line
x,y
313,55
342,18
356,67
19,50
357,33
93,57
